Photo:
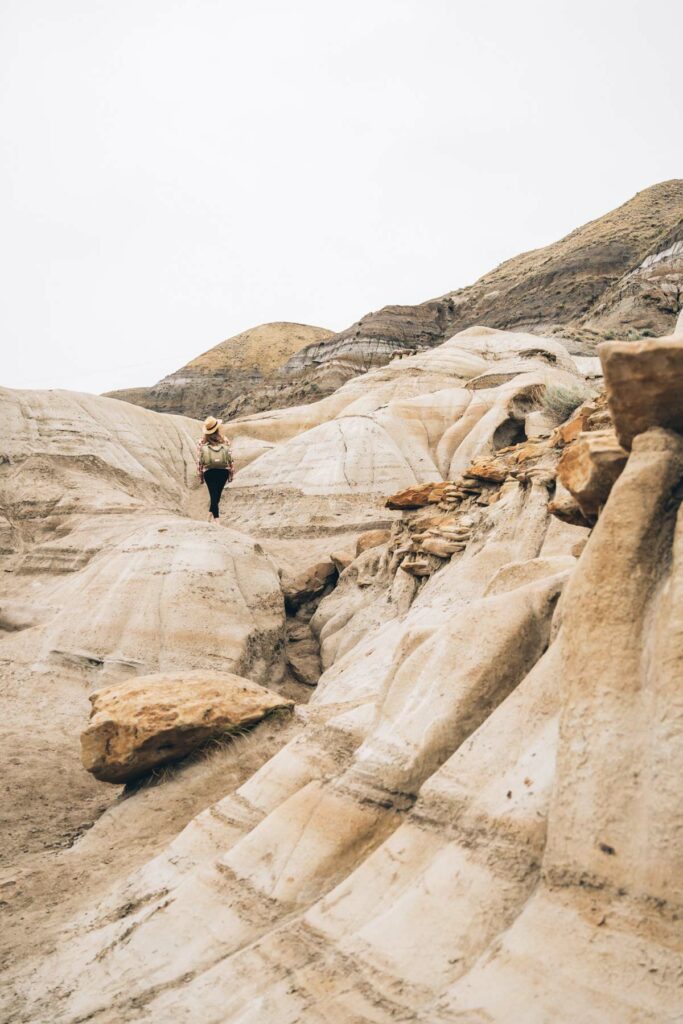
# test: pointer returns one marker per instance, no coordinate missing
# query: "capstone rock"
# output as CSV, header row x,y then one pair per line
x,y
644,382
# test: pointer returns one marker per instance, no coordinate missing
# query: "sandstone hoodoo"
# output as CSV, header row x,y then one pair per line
x,y
463,567
151,721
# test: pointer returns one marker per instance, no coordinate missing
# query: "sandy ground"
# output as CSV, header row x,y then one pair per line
x,y
43,890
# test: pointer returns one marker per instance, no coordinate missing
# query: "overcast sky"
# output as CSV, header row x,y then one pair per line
x,y
175,171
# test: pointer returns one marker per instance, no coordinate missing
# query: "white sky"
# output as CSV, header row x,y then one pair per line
x,y
175,171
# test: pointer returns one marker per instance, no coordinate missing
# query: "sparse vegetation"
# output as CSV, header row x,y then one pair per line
x,y
561,401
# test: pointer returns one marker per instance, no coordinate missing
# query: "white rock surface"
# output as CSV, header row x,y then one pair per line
x,y
104,576
476,816
410,422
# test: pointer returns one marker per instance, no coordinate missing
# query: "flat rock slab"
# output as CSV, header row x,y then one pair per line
x,y
418,496
644,382
153,720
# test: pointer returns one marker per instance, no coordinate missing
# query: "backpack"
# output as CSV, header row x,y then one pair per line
x,y
216,456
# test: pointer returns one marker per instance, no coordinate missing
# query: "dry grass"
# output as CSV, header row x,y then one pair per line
x,y
561,401
265,347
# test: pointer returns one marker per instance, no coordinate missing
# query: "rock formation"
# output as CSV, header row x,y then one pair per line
x,y
105,577
476,815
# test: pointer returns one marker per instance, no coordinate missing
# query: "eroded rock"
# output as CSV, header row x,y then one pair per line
x,y
441,546
644,382
308,584
589,468
417,566
371,539
303,653
342,558
149,721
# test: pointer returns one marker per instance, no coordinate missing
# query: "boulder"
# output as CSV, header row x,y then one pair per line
x,y
565,507
149,721
371,539
303,653
644,382
538,424
589,468
304,662
309,583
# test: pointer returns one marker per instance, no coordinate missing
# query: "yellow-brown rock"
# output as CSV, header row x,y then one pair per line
x,y
588,469
442,547
371,539
418,497
565,508
149,721
492,469
644,382
417,566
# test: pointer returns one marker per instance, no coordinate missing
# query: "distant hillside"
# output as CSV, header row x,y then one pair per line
x,y
618,276
561,288
219,376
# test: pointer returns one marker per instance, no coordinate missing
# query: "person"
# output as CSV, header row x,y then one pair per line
x,y
214,462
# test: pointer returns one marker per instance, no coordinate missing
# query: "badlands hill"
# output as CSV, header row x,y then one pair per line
x,y
622,272
618,276
219,378
472,813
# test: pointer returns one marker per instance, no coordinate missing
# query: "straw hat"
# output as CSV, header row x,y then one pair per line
x,y
211,425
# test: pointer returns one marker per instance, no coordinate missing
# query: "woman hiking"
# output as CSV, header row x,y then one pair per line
x,y
214,462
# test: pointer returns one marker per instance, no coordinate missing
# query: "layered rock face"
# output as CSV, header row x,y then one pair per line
x,y
647,299
476,816
217,382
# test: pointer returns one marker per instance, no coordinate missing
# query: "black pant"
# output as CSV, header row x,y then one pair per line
x,y
215,480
